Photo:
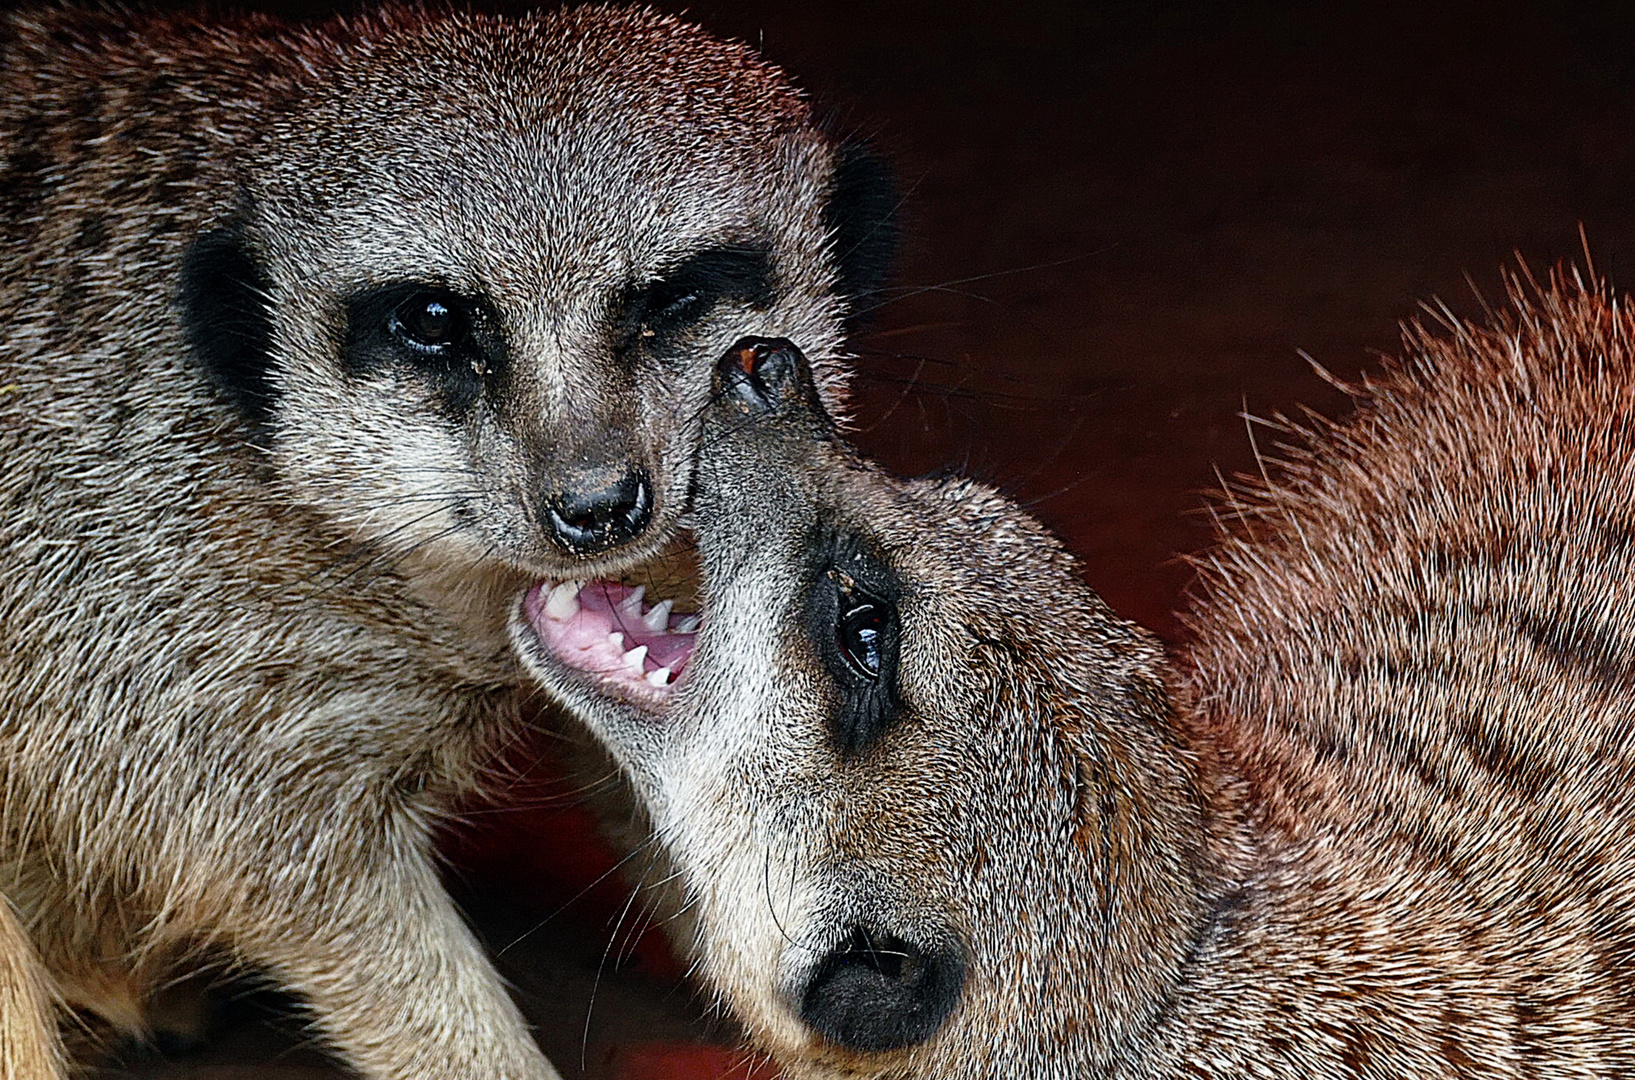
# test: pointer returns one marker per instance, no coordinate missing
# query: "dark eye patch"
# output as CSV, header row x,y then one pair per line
x,y
851,617
224,297
655,311
432,331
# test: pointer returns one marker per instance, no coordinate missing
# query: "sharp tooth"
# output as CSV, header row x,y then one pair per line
x,y
617,639
633,602
563,603
688,624
661,677
658,620
635,658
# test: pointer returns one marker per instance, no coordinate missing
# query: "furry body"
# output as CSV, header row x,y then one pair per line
x,y
1375,825
312,335
1413,650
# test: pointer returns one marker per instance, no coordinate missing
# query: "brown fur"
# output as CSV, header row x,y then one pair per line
x,y
1414,649
255,580
1384,833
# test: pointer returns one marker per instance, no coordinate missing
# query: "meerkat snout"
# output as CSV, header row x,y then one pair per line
x,y
765,375
592,519
877,991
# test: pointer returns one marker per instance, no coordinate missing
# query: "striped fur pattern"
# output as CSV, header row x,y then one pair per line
x,y
1414,646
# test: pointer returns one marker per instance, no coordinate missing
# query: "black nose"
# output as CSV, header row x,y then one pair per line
x,y
876,991
766,374
586,522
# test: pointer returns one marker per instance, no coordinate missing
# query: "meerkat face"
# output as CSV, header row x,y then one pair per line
x,y
479,270
921,785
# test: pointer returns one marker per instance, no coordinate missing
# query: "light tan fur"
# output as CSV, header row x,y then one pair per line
x,y
1375,822
257,551
29,1047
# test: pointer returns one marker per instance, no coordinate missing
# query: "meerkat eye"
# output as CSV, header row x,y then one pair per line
x,y
690,290
853,619
429,320
447,341
668,307
859,637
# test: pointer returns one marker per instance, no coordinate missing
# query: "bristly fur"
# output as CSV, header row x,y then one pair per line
x,y
1376,821
1466,528
1414,644
258,543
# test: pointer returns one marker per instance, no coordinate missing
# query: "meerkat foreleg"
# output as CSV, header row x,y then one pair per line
x,y
29,1044
396,981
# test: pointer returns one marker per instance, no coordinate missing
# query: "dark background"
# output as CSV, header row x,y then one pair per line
x,y
1121,224
1127,221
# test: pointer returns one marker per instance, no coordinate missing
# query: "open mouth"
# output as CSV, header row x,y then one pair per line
x,y
607,631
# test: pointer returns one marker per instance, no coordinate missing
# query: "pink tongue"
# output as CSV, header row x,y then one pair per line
x,y
664,648
603,627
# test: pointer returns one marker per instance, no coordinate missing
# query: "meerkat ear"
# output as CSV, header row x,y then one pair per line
x,y
862,219
223,298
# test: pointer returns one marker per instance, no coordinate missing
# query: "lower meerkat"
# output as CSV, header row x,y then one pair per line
x,y
941,814
322,344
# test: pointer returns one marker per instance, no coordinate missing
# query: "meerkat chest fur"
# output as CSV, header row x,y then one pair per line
x,y
324,342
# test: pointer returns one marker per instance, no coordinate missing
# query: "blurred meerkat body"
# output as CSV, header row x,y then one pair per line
x,y
941,814
321,344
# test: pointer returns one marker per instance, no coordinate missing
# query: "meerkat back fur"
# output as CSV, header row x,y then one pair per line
x,y
323,342
941,814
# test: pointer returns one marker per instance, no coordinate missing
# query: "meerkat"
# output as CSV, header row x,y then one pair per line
x,y
322,343
940,813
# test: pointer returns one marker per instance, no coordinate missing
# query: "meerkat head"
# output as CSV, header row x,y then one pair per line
x,y
923,788
477,269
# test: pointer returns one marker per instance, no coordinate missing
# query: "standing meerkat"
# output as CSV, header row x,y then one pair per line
x,y
937,816
321,344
